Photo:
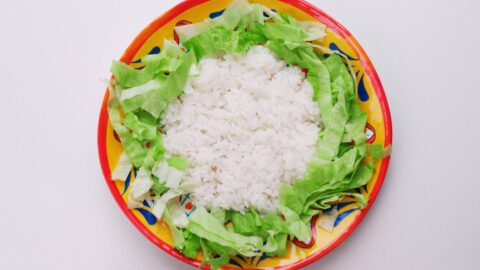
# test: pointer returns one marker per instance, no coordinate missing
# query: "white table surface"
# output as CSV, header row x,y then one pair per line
x,y
57,213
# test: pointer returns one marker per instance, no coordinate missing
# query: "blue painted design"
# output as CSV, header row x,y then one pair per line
x,y
232,261
334,47
263,257
362,90
343,204
343,215
185,198
149,217
191,211
155,50
216,14
220,12
127,183
266,15
328,210
145,204
241,258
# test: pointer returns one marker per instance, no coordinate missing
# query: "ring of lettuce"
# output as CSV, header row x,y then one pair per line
x,y
342,161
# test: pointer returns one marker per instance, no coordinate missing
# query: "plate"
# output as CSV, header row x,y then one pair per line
x,y
371,98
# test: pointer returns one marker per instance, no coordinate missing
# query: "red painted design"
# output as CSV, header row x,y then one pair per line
x,y
115,135
310,243
370,133
188,206
314,12
182,22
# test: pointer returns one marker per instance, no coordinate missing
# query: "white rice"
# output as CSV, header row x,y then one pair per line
x,y
247,125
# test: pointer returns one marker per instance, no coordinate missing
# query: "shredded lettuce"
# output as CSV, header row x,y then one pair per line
x,y
161,203
142,184
215,254
314,30
123,168
204,225
378,152
218,214
191,244
187,31
158,188
158,101
234,14
179,241
178,162
168,174
179,218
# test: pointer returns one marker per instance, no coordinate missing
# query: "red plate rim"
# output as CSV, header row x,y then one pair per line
x,y
314,12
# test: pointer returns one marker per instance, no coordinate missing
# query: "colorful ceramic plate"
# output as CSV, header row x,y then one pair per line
x,y
370,95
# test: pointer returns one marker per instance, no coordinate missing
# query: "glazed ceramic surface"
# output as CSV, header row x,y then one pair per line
x,y
370,96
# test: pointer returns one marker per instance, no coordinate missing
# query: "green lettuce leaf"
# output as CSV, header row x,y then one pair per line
x,y
234,14
188,31
179,241
221,40
142,183
158,187
215,254
178,162
159,99
166,61
161,203
123,168
207,227
296,227
247,223
378,152
139,130
218,214
191,244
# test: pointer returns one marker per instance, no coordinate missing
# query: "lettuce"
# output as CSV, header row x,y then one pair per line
x,y
168,174
141,186
123,168
139,130
179,241
161,203
233,14
237,16
129,77
205,226
178,162
191,244
159,99
186,32
221,40
215,254
378,152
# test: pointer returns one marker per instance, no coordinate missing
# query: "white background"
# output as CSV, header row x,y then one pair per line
x,y
57,213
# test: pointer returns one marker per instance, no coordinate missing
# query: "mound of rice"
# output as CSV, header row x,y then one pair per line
x,y
247,125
